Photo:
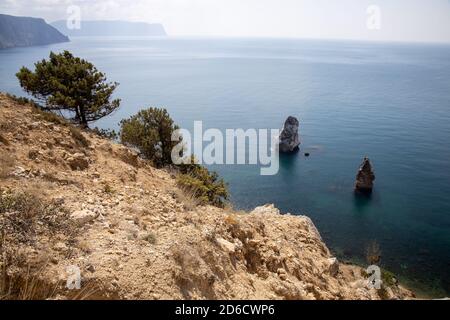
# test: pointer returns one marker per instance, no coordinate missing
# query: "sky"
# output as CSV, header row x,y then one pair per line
x,y
369,20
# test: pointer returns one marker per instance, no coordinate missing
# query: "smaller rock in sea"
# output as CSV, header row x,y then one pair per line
x,y
289,139
365,177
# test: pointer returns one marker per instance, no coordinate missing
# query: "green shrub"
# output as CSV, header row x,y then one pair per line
x,y
388,278
105,133
150,131
21,100
68,83
206,186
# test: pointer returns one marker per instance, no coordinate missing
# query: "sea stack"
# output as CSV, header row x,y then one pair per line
x,y
365,177
289,140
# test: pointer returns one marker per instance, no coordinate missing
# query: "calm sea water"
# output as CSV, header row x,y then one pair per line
x,y
388,101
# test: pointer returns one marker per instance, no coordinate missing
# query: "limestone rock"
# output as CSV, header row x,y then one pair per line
x,y
266,209
289,139
20,172
365,177
226,245
60,246
333,267
81,217
78,161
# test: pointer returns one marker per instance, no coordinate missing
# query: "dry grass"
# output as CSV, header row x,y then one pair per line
x,y
29,283
26,286
186,197
108,189
7,162
89,291
48,115
78,137
150,237
33,154
3,140
84,246
231,220
24,214
18,279
373,253
188,260
20,100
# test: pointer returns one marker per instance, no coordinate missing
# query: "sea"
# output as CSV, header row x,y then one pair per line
x,y
387,101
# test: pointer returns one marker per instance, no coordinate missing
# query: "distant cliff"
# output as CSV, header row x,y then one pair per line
x,y
111,28
26,31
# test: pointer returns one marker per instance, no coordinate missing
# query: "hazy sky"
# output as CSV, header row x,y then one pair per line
x,y
392,20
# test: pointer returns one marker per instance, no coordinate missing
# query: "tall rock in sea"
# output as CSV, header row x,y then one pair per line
x,y
365,177
289,139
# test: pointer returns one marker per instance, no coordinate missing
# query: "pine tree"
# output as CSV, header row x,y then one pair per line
x,y
150,131
71,85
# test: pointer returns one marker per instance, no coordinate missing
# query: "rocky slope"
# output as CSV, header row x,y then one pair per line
x,y
26,31
73,199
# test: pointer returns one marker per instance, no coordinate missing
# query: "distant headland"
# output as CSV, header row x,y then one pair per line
x,y
27,31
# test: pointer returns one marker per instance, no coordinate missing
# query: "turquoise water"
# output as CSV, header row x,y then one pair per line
x,y
388,101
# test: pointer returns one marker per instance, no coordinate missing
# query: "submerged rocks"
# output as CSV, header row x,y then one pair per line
x,y
365,177
289,139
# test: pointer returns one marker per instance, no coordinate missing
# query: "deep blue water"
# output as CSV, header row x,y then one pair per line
x,y
388,101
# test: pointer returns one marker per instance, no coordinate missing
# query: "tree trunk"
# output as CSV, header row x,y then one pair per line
x,y
77,113
83,121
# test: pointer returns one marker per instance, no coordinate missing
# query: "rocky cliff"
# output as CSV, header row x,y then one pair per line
x,y
71,200
25,31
